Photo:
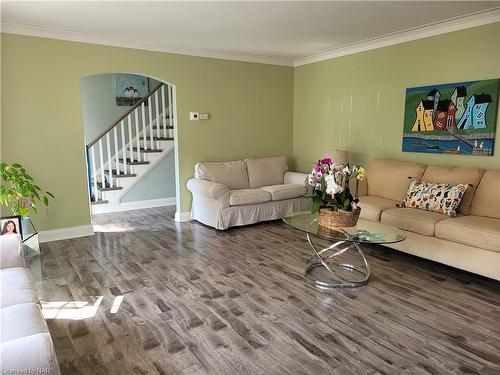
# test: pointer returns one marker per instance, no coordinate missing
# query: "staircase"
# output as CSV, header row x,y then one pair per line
x,y
126,151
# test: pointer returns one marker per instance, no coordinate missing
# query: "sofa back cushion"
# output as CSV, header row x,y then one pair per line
x,y
390,178
486,201
266,171
456,175
233,174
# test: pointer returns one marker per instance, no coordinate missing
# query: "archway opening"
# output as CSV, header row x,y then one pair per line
x,y
130,136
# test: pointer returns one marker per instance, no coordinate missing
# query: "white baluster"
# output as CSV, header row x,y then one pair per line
x,y
137,140
150,118
163,111
157,109
144,133
94,173
117,152
174,110
171,110
130,138
124,147
110,165
101,159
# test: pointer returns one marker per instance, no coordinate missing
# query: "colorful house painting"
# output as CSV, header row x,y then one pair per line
x,y
423,121
455,118
458,97
465,121
445,115
479,111
434,95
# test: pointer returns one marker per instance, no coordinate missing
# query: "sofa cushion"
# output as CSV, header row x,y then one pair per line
x,y
418,221
266,171
285,191
11,252
456,175
477,231
233,174
372,207
16,286
248,196
390,178
21,320
486,201
34,352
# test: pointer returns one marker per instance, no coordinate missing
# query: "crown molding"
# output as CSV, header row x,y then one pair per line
x,y
420,32
425,31
107,40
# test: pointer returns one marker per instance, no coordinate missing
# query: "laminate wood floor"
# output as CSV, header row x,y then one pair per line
x,y
147,295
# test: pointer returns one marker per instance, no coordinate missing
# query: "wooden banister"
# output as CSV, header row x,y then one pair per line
x,y
138,104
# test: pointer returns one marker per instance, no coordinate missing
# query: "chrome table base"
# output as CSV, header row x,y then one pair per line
x,y
327,261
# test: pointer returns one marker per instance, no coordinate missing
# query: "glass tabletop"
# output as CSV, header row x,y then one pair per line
x,y
29,229
364,232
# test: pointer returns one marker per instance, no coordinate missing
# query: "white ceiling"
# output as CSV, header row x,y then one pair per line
x,y
276,32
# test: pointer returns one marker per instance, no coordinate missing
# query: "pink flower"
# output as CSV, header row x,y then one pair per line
x,y
326,161
315,177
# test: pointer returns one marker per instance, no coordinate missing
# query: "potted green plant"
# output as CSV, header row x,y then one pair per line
x,y
19,192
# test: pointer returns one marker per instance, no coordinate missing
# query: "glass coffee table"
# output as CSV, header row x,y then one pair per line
x,y
344,239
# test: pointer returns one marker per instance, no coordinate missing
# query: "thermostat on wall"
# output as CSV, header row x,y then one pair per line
x,y
195,116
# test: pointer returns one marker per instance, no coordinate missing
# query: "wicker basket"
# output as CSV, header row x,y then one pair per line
x,y
338,219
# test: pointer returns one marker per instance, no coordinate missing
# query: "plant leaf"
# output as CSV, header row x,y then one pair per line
x,y
347,202
315,206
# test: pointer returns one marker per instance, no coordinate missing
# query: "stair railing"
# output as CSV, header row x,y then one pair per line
x,y
120,141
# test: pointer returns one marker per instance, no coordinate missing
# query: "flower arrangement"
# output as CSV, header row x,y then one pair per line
x,y
331,185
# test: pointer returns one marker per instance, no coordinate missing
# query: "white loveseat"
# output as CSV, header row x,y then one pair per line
x,y
25,343
227,194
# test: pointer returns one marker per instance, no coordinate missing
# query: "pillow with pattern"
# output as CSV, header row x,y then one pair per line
x,y
441,198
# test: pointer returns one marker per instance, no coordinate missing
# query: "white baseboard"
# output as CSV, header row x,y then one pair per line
x,y
182,216
65,233
127,206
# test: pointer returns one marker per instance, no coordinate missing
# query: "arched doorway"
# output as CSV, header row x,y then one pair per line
x,y
130,128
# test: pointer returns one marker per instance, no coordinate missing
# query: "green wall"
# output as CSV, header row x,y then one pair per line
x,y
41,120
357,102
354,102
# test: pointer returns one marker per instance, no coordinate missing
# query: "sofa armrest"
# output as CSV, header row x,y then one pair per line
x,y
207,189
11,251
298,178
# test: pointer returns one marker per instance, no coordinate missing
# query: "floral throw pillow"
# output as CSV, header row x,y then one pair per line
x,y
441,198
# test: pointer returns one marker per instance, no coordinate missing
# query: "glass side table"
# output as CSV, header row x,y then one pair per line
x,y
32,248
344,240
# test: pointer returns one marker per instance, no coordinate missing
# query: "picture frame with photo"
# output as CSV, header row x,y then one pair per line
x,y
10,225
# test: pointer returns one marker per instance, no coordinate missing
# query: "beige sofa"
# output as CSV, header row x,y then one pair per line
x,y
227,194
25,343
470,241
